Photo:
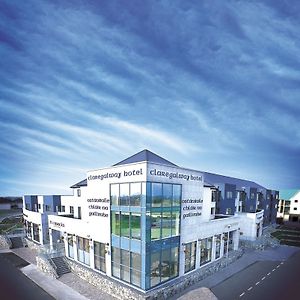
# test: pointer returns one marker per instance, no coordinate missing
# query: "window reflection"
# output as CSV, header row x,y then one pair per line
x,y
124,194
167,195
156,194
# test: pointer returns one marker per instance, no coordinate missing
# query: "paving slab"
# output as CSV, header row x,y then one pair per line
x,y
53,287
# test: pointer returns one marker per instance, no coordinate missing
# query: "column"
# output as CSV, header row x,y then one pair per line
x,y
75,247
92,258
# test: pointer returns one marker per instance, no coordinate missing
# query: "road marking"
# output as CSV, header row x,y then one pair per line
x,y
277,266
257,282
273,270
242,294
281,263
250,288
263,278
269,273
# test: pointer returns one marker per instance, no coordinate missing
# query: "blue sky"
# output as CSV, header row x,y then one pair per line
x,y
209,85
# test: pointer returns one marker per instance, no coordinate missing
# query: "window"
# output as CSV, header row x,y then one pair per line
x,y
165,211
215,196
228,211
163,265
126,224
166,224
155,225
126,265
205,251
79,212
124,194
229,194
114,194
39,205
167,195
295,208
230,241
135,226
70,245
63,208
78,192
71,209
190,256
296,201
115,223
99,256
125,229
156,194
47,207
212,211
176,194
252,196
83,250
36,235
27,206
135,194
218,245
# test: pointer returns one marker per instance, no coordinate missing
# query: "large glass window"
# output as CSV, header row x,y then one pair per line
x,y
167,195
190,256
116,260
175,222
114,194
126,265
165,221
156,194
136,269
155,225
125,229
115,223
36,235
205,251
135,194
99,256
176,194
135,226
83,250
163,265
124,194
155,268
166,224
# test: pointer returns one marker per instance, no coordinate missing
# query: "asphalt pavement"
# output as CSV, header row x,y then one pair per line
x,y
14,285
276,280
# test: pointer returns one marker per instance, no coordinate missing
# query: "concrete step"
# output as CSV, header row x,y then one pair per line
x,y
61,266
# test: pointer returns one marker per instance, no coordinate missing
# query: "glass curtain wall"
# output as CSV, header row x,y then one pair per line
x,y
158,206
127,200
162,234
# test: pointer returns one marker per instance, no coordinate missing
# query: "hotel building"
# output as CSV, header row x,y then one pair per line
x,y
289,205
145,221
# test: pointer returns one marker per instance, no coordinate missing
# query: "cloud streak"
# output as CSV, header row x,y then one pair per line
x,y
212,86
